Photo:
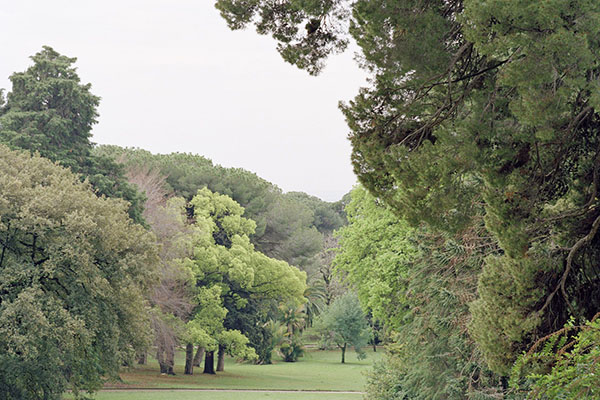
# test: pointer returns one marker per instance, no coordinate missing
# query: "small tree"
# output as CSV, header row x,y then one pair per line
x,y
344,324
293,321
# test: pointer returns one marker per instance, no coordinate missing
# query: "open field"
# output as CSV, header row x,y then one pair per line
x,y
316,371
195,395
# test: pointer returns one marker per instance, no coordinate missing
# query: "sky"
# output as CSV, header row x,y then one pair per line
x,y
173,78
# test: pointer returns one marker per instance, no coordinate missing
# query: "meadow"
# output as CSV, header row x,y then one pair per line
x,y
317,375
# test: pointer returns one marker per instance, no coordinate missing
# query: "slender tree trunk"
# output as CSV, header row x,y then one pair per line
x,y
344,354
199,356
189,359
209,362
374,347
170,359
160,357
221,359
143,358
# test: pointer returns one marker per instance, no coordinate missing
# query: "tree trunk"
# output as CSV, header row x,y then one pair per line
x,y
160,357
199,356
221,359
209,362
344,354
374,347
189,359
170,359
143,358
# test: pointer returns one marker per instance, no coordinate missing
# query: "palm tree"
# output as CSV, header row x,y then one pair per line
x,y
315,296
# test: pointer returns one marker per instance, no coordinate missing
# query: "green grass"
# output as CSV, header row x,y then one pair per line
x,y
180,395
317,370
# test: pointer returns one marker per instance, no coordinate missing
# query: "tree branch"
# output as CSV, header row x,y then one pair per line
x,y
573,250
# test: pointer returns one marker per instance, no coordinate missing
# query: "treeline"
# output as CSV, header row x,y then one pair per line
x,y
293,227
478,140
107,253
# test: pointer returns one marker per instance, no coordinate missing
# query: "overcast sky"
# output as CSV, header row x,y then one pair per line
x,y
173,77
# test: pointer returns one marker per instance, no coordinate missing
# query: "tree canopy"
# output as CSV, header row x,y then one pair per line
x,y
51,112
225,261
73,272
475,108
343,324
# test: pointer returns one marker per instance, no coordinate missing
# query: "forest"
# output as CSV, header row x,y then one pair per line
x,y
469,250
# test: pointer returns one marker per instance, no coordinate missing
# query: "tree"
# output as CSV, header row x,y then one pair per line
x,y
548,371
289,226
49,111
332,280
293,322
225,259
376,252
344,324
74,270
419,284
474,104
171,296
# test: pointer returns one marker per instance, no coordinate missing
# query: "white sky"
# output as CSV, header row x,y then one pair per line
x,y
173,77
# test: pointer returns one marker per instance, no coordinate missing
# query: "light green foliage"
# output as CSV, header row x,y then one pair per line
x,y
383,381
51,112
73,272
429,281
236,345
376,252
564,366
224,260
207,324
227,257
343,324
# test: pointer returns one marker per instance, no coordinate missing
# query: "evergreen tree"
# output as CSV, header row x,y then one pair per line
x,y
51,112
476,103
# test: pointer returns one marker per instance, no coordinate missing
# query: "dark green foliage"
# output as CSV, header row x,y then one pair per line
x,y
327,217
307,31
49,111
291,349
482,107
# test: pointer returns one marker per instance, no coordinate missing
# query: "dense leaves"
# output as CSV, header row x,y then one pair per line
x,y
419,284
343,324
49,111
73,271
482,107
288,226
226,265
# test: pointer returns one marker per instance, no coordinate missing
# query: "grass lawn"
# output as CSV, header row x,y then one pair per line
x,y
182,395
317,370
